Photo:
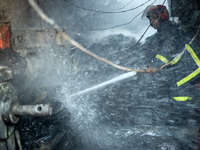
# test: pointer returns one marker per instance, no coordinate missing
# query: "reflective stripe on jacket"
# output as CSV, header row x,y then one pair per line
x,y
191,75
184,98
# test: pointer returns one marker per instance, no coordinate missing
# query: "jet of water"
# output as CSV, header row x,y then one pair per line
x,y
121,77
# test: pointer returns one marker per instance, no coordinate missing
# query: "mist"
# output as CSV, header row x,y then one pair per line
x,y
96,105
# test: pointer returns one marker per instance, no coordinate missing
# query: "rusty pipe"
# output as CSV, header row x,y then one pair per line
x,y
10,110
32,110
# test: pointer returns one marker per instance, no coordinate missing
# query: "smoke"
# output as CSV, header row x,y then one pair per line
x,y
125,32
79,21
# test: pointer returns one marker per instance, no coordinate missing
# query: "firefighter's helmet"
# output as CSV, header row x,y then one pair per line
x,y
160,10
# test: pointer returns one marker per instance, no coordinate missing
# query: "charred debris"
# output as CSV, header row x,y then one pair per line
x,y
135,113
123,108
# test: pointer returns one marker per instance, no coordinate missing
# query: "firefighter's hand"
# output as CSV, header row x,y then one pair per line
x,y
150,70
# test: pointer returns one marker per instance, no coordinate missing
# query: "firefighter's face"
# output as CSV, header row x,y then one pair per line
x,y
154,21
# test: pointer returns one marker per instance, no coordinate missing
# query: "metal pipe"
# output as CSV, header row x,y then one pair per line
x,y
32,110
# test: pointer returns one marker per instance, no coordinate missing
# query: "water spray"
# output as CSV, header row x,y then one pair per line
x,y
121,77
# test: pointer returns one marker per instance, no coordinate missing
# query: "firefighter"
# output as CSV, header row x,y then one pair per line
x,y
165,45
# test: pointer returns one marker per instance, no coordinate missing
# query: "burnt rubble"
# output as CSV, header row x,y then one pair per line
x,y
122,109
45,133
134,113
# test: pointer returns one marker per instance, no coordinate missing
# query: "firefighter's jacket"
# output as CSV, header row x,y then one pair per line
x,y
165,46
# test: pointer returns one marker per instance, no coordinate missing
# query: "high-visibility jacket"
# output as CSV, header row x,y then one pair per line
x,y
182,72
166,44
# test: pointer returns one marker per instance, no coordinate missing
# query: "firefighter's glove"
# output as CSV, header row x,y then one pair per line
x,y
150,70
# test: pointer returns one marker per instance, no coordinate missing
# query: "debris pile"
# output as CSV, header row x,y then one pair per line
x,y
134,113
126,106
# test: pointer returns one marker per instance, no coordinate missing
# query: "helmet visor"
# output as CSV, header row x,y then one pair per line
x,y
149,10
